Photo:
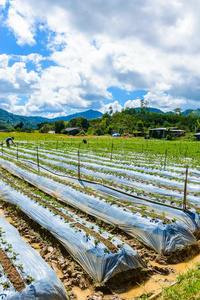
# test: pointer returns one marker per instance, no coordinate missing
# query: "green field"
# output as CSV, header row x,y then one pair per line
x,y
178,150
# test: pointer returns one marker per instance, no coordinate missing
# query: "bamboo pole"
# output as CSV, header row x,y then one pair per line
x,y
111,151
79,171
185,189
38,162
17,152
165,159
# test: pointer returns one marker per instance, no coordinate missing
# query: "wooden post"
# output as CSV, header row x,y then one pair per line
x,y
79,172
38,163
17,152
185,189
180,148
111,151
2,147
57,145
165,159
186,152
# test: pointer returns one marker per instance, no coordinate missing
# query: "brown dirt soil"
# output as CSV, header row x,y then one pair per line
x,y
11,271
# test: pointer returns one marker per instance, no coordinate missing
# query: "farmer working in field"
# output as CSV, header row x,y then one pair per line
x,y
8,140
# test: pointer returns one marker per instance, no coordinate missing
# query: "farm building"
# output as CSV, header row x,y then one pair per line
x,y
197,135
51,131
163,132
73,131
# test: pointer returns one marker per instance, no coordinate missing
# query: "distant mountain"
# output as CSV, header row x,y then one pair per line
x,y
13,120
192,112
88,114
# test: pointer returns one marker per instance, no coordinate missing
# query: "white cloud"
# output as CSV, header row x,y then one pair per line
x,y
2,3
163,100
4,60
130,44
115,107
21,22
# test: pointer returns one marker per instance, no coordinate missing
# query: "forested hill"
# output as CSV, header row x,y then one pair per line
x,y
134,121
10,120
129,120
195,112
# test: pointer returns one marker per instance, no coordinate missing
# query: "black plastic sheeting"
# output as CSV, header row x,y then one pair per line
x,y
98,263
46,286
163,238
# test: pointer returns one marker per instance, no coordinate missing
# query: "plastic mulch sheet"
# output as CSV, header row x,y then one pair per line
x,y
97,260
163,238
46,284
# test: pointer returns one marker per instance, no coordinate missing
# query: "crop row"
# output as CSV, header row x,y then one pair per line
x,y
84,240
23,273
133,223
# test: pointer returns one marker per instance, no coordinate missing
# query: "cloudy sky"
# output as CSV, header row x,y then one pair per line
x,y
58,57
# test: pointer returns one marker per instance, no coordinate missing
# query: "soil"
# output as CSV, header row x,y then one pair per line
x,y
11,272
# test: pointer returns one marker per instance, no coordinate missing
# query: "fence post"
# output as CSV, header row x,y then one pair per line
x,y
38,163
57,145
2,147
111,151
185,189
17,152
79,172
165,159
186,151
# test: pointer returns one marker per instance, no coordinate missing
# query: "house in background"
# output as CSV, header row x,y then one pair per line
x,y
73,131
197,135
163,132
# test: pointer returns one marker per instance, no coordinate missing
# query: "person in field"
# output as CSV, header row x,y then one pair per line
x,y
8,140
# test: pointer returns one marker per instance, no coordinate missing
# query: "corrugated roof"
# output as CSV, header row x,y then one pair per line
x,y
73,128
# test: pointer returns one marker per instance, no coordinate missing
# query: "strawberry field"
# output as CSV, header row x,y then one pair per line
x,y
110,206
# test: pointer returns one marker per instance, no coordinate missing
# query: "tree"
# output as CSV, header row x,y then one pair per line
x,y
177,111
45,128
80,122
59,125
140,125
110,110
20,125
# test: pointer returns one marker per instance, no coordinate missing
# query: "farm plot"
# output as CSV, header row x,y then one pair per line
x,y
191,218
131,198
117,165
23,273
100,254
159,232
148,185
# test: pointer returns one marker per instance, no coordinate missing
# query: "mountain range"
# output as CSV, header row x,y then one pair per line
x,y
13,120
7,118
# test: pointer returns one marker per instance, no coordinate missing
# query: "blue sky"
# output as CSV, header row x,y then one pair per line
x,y
61,57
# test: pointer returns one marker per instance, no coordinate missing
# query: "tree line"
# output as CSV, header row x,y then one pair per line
x,y
128,120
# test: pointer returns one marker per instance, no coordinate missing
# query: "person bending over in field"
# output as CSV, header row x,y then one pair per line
x,y
8,140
